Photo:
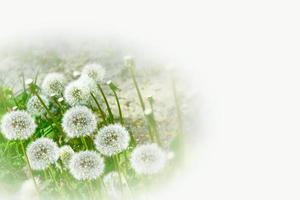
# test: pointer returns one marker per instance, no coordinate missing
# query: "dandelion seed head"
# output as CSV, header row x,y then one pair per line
x,y
112,139
17,125
148,159
65,154
128,60
79,121
35,107
86,165
94,71
42,152
88,81
77,93
54,83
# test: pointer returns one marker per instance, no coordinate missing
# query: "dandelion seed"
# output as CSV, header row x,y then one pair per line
x,y
112,139
77,93
65,154
17,125
35,107
54,83
42,153
94,71
148,159
86,165
79,121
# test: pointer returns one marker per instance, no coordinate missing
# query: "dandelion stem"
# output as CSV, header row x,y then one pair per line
x,y
117,166
114,88
30,169
124,173
132,73
153,122
93,195
59,106
119,107
84,142
178,111
6,146
56,182
99,108
47,109
111,117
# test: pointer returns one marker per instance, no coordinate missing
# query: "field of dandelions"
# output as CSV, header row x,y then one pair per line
x,y
85,126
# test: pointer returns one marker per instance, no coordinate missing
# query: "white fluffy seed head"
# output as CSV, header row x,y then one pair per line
x,y
112,139
94,71
54,83
35,107
17,125
65,154
77,93
79,121
42,153
86,165
88,81
148,159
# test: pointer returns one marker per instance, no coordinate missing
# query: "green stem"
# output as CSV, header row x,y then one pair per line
x,y
47,109
132,73
93,195
6,146
103,186
121,115
124,173
58,188
107,105
117,166
154,124
178,112
119,107
49,112
61,109
99,108
84,142
179,119
30,169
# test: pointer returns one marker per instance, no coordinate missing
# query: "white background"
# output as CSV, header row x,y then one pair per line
x,y
244,57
